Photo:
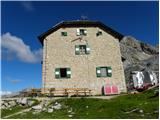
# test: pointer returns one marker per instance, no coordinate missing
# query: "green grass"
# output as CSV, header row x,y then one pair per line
x,y
6,112
17,108
100,108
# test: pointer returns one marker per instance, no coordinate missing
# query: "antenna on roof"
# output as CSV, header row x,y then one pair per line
x,y
83,17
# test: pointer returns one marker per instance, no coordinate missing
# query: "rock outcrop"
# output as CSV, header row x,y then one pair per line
x,y
137,56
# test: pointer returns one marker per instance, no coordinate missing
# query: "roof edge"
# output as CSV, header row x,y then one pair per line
x,y
80,23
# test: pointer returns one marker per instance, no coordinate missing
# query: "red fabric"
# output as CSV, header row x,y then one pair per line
x,y
114,89
108,90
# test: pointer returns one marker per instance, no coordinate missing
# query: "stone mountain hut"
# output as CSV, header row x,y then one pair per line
x,y
82,54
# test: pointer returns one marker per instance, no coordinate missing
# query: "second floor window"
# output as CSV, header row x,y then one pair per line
x,y
82,49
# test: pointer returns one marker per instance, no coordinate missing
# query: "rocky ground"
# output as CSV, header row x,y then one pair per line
x,y
131,106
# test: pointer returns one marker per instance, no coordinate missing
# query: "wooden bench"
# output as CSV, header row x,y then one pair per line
x,y
67,91
78,91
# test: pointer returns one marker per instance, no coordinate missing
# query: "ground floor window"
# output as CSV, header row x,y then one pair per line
x,y
62,73
104,71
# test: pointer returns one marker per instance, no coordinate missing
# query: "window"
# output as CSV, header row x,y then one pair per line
x,y
82,49
104,71
64,33
81,32
62,73
99,33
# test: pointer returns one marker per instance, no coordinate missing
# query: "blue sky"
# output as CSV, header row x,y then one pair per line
x,y
22,22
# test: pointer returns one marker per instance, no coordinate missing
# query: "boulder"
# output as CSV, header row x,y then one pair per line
x,y
44,109
70,116
37,107
12,103
2,102
141,111
30,102
3,107
57,106
45,103
22,101
50,110
6,104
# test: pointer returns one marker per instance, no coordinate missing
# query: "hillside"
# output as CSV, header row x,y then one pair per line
x,y
132,106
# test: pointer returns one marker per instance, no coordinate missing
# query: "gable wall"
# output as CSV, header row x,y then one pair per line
x,y
105,51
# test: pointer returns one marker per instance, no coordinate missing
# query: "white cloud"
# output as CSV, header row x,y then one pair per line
x,y
28,5
8,78
14,47
5,93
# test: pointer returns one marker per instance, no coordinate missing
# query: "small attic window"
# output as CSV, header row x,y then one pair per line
x,y
81,32
64,33
99,33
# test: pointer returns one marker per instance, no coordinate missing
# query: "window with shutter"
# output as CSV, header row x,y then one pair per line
x,y
109,71
62,73
57,73
64,33
98,71
68,73
104,71
81,32
78,32
99,33
87,49
82,49
77,50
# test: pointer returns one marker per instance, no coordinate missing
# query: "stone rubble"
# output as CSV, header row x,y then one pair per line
x,y
50,110
141,111
37,107
70,116
57,106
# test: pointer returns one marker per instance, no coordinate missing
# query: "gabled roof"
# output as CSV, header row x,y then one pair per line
x,y
80,23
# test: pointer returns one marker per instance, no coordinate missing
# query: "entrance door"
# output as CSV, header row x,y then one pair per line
x,y
110,89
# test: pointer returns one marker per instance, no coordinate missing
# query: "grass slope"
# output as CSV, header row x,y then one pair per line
x,y
15,109
115,108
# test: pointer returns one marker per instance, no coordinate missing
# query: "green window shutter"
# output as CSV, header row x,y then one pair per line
x,y
109,71
77,50
64,33
78,32
98,71
99,33
57,73
88,49
68,72
85,32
